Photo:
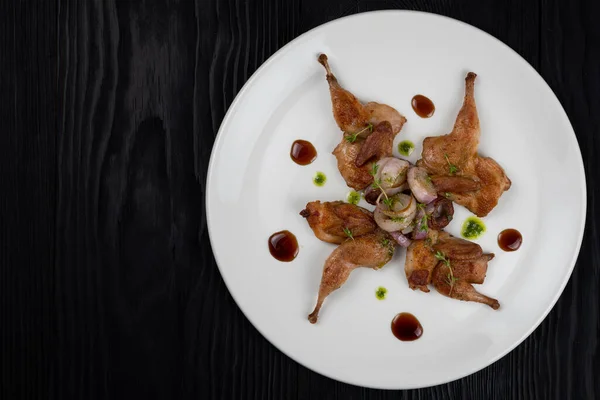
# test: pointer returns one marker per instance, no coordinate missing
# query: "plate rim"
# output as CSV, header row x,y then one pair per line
x,y
369,14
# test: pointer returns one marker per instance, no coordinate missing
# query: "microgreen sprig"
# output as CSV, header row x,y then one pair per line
x,y
377,185
453,168
348,233
351,137
450,279
423,226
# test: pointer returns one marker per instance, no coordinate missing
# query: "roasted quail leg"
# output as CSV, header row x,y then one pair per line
x,y
373,250
472,181
458,284
348,112
351,115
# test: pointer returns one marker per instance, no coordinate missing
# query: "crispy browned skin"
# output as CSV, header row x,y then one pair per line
x,y
357,178
456,248
377,145
353,117
378,112
465,273
456,184
468,263
348,112
459,148
419,265
373,250
329,219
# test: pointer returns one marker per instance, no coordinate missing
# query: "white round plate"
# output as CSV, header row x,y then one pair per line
x,y
254,189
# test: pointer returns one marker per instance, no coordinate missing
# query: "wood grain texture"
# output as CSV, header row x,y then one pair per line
x,y
108,286
28,188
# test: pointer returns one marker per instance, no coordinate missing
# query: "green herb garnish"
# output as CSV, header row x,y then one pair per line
x,y
472,228
348,233
381,293
319,179
351,137
377,184
390,246
453,168
353,197
389,202
406,147
423,226
450,278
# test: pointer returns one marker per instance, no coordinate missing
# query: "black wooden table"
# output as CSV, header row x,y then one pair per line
x,y
108,286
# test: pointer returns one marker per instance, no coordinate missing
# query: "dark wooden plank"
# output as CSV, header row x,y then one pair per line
x,y
571,65
130,206
28,54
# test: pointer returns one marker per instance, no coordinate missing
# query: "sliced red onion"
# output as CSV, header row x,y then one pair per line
x,y
420,185
386,223
430,207
402,205
391,174
418,233
401,214
401,239
399,189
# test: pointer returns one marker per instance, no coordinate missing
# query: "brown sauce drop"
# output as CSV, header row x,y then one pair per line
x,y
510,240
423,106
283,246
406,327
303,152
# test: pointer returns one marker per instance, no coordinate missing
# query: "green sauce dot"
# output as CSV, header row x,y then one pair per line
x,y
353,197
381,293
472,228
406,147
319,179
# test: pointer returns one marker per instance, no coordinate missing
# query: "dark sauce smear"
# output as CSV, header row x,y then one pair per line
x,y
303,152
423,106
406,327
510,240
283,246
